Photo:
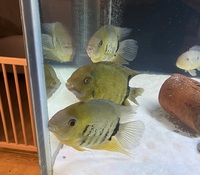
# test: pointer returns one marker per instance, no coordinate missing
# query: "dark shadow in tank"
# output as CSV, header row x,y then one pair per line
x,y
164,29
172,123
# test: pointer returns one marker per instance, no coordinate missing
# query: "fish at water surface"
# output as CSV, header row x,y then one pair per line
x,y
104,80
56,42
97,124
190,60
109,43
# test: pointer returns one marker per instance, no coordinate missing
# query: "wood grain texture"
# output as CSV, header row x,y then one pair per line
x,y
18,163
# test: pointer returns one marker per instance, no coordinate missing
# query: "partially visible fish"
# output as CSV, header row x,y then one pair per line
x,y
52,81
56,42
109,43
97,124
190,60
104,80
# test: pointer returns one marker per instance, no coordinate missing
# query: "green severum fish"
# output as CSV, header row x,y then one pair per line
x,y
97,124
109,43
190,60
52,81
56,42
104,80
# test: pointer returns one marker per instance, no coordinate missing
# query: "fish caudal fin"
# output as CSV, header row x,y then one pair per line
x,y
129,134
135,92
127,49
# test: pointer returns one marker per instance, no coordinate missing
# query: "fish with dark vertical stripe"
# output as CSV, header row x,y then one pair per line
x,y
104,80
97,124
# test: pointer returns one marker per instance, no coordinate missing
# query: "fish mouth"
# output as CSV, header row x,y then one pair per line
x,y
55,131
51,127
71,88
89,50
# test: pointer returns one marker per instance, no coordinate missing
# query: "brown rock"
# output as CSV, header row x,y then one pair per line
x,y
180,97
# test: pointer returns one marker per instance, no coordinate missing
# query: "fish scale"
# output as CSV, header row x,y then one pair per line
x,y
94,136
119,96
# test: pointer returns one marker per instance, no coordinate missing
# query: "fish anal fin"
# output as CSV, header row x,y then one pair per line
x,y
113,146
135,92
129,134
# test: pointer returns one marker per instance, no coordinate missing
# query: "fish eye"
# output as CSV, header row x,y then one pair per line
x,y
72,122
87,80
187,59
100,43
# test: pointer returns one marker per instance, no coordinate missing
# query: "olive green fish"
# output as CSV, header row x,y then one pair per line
x,y
97,124
109,43
52,81
56,42
104,80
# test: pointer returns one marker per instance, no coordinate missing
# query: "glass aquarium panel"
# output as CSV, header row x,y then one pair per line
x,y
105,66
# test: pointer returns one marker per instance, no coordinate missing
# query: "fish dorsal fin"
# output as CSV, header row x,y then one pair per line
x,y
122,33
195,48
119,67
47,42
119,60
126,70
192,72
135,92
129,134
127,49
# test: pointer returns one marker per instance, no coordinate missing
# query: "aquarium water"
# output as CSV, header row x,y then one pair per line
x,y
163,30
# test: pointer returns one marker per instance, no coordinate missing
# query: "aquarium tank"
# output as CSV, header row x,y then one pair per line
x,y
98,71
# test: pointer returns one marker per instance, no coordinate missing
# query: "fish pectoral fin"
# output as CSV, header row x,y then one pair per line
x,y
129,134
135,92
112,145
192,72
127,49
